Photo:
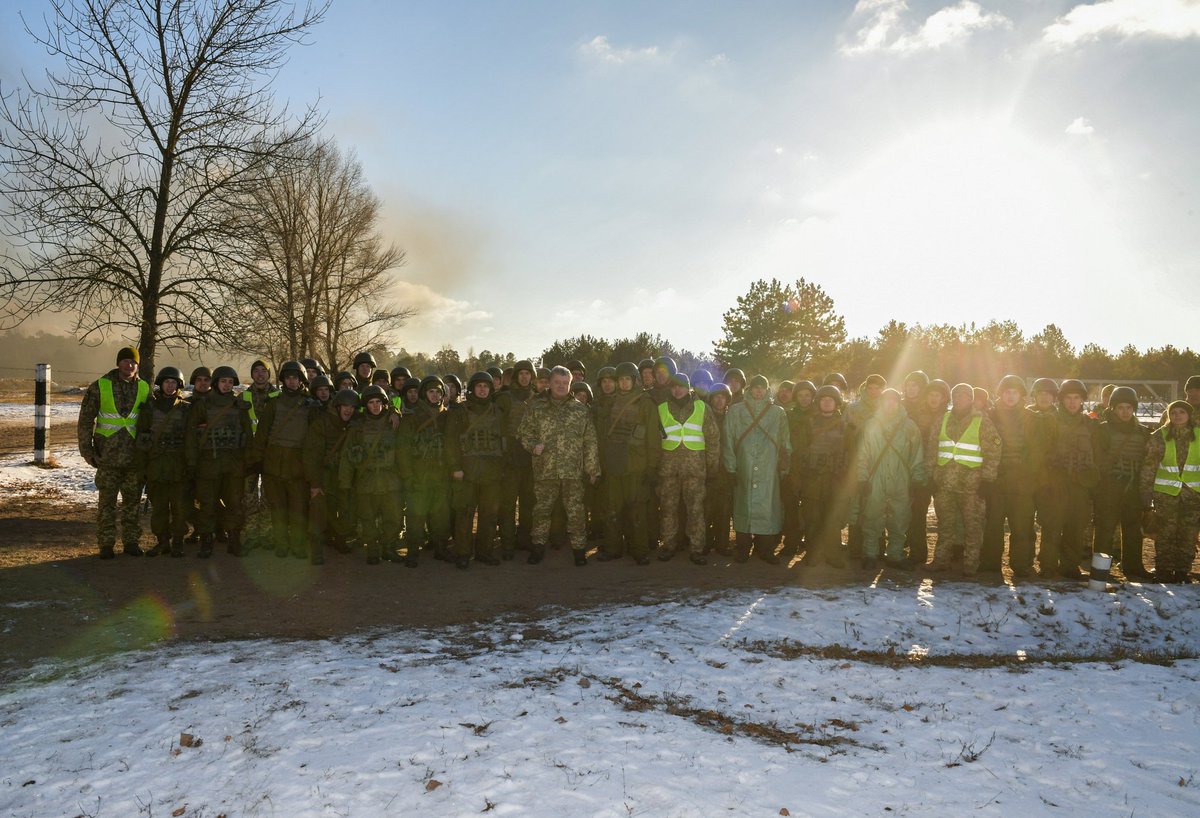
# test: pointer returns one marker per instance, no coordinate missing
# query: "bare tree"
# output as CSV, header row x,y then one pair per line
x,y
120,171
319,286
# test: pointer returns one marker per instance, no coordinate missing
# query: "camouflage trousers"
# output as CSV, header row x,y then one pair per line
x,y
681,483
427,512
546,494
1176,526
287,499
168,513
960,516
128,484
378,520
466,498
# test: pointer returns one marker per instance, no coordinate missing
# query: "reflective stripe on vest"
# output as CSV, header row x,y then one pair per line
x,y
1170,478
248,397
690,433
110,421
965,451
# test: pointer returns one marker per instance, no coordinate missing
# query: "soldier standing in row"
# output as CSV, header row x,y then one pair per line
x,y
1170,487
1073,473
219,435
926,413
162,430
1123,441
279,451
758,455
329,515
963,454
824,463
107,429
890,461
718,489
691,450
369,470
515,526
201,382
1021,472
425,474
629,442
558,432
475,439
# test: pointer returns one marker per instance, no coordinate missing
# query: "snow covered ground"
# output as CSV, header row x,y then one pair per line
x,y
953,699
60,412
73,479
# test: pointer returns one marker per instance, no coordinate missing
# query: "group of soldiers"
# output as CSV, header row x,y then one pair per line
x,y
650,462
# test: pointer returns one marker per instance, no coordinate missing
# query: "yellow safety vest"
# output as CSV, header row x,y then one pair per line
x,y
690,433
1170,478
110,421
965,451
248,397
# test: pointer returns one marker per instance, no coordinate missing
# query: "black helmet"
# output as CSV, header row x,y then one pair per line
x,y
836,379
311,363
628,369
680,379
1045,385
668,363
429,382
411,383
735,374
225,372
381,376
917,376
401,372
829,390
609,372
875,380
454,379
941,387
498,374
647,363
481,377
372,391
577,366
1012,382
758,380
542,372
1071,386
348,397
200,372
1123,394
720,389
802,386
343,376
292,368
523,364
364,358
581,386
171,372
319,381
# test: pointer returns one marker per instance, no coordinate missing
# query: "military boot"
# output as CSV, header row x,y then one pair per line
x,y
316,554
177,546
580,555
235,543
536,553
742,545
206,546
107,552
374,549
160,546
412,557
133,550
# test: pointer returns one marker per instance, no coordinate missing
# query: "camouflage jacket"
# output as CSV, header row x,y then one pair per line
x,y
219,433
566,430
370,460
114,451
628,434
162,433
323,443
279,438
422,442
476,442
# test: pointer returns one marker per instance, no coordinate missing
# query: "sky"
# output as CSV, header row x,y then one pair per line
x,y
554,169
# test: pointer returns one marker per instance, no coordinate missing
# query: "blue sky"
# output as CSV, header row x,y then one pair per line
x,y
558,168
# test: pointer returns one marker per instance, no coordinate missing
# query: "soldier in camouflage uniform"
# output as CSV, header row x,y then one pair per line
x,y
890,459
718,489
475,439
257,395
628,435
558,432
927,413
162,429
107,431
691,450
515,527
364,370
329,519
1170,485
825,482
219,435
963,455
201,382
606,386
1073,457
279,449
425,473
857,414
370,471
799,416
1022,470
1123,441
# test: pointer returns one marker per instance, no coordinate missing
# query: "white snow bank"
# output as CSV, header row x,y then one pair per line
x,y
72,480
656,710
60,412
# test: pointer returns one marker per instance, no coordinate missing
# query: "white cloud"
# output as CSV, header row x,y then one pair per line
x,y
718,60
435,309
1080,127
884,27
601,50
1167,19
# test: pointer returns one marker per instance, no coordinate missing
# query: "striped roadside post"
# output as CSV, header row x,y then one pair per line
x,y
41,414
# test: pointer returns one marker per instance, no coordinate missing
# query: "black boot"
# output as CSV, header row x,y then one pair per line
x,y
177,546
235,543
580,555
536,552
206,546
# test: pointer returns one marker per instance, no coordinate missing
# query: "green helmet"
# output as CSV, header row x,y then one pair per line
x,y
628,369
829,390
1011,382
481,377
1123,394
364,358
171,372
319,382
372,391
225,372
293,368
431,381
1045,385
348,397
606,372
1072,386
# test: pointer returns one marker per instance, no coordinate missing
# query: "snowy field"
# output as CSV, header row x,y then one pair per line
x,y
59,412
953,700
73,480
